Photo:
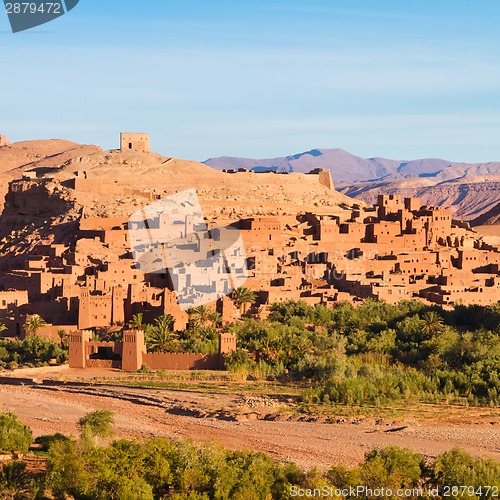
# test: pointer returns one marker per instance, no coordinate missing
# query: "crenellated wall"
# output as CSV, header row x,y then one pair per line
x,y
131,355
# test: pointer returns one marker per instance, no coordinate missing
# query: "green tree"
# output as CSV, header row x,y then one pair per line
x,y
161,338
392,467
68,471
457,467
14,435
33,324
97,424
62,335
243,296
200,316
137,321
432,323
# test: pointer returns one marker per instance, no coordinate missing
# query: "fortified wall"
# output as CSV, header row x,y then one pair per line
x,y
318,175
131,354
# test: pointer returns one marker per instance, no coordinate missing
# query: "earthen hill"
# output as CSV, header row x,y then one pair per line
x,y
65,252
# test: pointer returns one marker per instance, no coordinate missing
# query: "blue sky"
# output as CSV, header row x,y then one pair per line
x,y
400,79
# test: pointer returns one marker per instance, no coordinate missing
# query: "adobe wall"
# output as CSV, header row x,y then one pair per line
x,y
51,332
294,179
181,361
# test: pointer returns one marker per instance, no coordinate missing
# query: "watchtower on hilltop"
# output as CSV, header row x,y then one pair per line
x,y
135,141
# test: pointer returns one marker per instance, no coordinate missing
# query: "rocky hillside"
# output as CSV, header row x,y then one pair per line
x,y
20,157
468,189
465,198
490,217
48,194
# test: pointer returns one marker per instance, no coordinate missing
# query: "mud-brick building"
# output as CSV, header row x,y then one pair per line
x,y
131,354
135,141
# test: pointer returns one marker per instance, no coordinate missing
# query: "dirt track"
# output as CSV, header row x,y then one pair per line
x,y
146,412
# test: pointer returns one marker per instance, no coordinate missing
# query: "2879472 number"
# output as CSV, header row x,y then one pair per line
x,y
470,491
33,8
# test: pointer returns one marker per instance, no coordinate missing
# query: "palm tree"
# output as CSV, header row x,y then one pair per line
x,y
161,338
215,318
303,345
15,480
2,328
242,296
270,350
204,316
62,334
33,323
200,315
137,321
432,323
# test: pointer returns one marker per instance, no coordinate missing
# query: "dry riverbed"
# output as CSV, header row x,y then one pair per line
x,y
267,423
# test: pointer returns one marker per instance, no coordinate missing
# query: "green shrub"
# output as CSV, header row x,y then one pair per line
x,y
47,441
97,424
14,435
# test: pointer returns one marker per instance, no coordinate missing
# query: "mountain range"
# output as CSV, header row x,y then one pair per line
x,y
469,190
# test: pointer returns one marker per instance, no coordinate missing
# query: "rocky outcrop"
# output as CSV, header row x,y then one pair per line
x,y
4,141
35,201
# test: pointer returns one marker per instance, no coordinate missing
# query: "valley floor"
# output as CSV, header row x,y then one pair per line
x,y
237,421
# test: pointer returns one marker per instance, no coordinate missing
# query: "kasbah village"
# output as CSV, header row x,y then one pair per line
x,y
392,251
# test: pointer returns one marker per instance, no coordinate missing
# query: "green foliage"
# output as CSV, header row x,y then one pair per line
x,y
48,440
34,323
162,468
15,482
14,435
159,468
32,351
392,468
160,337
457,468
378,353
242,296
137,321
97,424
202,339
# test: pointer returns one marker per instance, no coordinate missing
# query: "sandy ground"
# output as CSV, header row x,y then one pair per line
x,y
490,233
237,422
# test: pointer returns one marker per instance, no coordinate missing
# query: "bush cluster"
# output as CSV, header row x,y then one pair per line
x,y
376,352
